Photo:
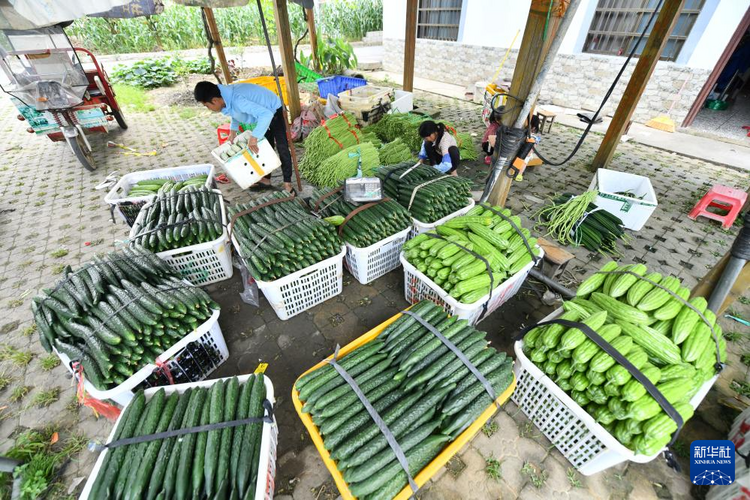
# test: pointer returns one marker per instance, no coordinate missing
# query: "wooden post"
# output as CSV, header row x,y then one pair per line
x,y
534,47
284,34
663,26
213,32
313,38
410,42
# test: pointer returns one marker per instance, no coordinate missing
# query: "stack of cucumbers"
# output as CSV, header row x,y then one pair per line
x,y
279,239
150,187
118,313
367,227
178,219
461,272
221,463
424,393
660,335
431,202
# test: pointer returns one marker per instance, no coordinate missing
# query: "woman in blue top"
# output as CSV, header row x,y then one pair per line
x,y
439,148
248,103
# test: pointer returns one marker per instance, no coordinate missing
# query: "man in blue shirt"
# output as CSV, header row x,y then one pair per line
x,y
248,103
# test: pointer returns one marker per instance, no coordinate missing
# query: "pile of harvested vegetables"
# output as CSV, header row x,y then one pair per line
x,y
366,227
575,220
394,152
424,393
428,194
281,238
331,171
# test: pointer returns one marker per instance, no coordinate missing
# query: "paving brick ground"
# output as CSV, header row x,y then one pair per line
x,y
51,215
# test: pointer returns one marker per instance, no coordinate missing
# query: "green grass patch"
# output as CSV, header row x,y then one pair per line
x,y
186,113
50,362
133,98
45,398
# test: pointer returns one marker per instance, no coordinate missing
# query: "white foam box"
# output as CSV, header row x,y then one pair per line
x,y
633,210
246,168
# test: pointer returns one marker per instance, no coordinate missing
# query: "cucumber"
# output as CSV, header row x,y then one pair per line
x,y
231,398
184,460
500,379
214,438
244,469
199,455
243,406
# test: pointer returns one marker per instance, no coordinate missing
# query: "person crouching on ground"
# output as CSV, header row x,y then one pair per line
x,y
247,103
439,148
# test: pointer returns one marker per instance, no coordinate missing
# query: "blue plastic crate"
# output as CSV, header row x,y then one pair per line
x,y
335,84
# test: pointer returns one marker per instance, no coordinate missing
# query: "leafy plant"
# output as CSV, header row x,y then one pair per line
x,y
536,475
18,357
45,398
50,362
493,468
490,428
19,393
573,478
335,56
148,73
5,381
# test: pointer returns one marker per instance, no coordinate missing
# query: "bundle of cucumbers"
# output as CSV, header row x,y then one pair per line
x,y
118,313
150,187
177,219
444,195
279,239
660,335
584,224
222,463
458,270
367,227
423,392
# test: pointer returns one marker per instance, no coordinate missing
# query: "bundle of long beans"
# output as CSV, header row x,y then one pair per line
x,y
368,226
328,139
331,171
427,203
394,152
575,220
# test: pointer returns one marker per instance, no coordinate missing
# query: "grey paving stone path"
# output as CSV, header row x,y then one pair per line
x,y
51,215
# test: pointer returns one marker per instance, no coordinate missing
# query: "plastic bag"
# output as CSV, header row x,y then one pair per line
x,y
332,106
308,119
249,293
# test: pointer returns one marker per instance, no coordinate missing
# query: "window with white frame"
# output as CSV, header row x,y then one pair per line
x,y
617,24
439,19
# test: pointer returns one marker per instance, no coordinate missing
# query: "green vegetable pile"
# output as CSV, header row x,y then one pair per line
x,y
328,139
279,239
461,273
431,202
331,171
179,219
399,125
662,337
369,226
394,152
575,220
425,395
466,148
118,313
221,463
150,187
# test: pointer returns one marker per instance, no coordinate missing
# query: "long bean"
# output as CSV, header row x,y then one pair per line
x,y
560,220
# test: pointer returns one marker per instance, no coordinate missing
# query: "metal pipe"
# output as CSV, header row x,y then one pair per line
x,y
502,162
726,282
554,285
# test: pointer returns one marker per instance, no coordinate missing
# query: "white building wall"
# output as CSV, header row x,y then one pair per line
x,y
719,29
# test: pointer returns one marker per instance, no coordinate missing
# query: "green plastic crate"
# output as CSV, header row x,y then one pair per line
x,y
305,75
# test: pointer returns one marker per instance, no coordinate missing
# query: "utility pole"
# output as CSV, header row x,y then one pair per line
x,y
537,39
284,34
410,42
663,26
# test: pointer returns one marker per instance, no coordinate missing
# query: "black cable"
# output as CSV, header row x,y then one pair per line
x,y
606,96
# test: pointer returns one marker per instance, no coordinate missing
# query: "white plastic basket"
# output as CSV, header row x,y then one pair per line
x,y
370,263
423,227
586,444
246,168
202,263
365,97
418,286
634,211
128,207
269,439
305,288
180,363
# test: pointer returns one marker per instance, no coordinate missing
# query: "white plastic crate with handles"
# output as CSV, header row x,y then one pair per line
x,y
264,487
202,263
244,167
418,286
128,207
422,227
207,352
303,289
588,446
370,263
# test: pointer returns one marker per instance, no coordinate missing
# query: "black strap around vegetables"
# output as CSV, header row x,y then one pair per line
x,y
635,372
389,437
718,366
267,418
484,261
459,354
517,229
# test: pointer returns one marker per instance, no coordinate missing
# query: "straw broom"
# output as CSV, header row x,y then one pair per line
x,y
664,122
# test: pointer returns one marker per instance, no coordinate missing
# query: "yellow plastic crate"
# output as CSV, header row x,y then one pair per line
x,y
269,82
433,467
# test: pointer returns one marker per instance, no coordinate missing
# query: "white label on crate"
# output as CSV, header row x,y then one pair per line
x,y
271,471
